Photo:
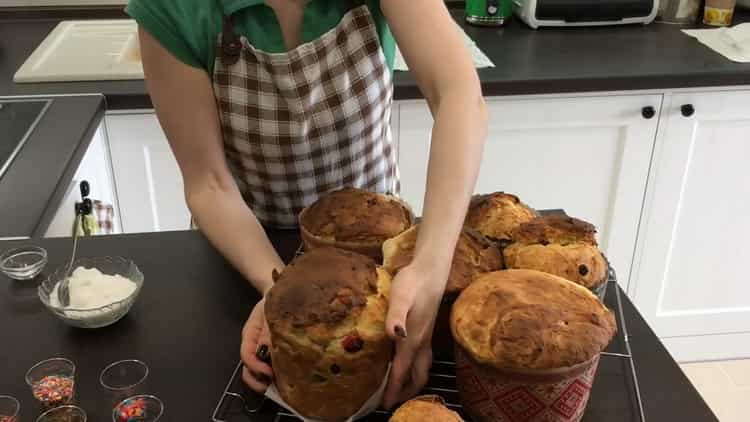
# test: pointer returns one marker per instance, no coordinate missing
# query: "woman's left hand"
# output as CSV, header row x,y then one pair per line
x,y
415,296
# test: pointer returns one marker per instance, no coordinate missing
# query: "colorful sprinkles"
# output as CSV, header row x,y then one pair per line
x,y
132,410
53,390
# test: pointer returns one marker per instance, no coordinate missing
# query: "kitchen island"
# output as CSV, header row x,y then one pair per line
x,y
186,326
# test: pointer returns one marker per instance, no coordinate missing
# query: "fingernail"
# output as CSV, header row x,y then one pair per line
x,y
400,331
262,354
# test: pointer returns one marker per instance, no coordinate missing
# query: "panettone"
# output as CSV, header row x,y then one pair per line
x,y
425,408
496,215
354,219
473,255
529,320
559,245
326,314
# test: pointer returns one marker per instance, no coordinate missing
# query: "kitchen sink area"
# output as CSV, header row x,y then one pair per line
x,y
85,51
639,129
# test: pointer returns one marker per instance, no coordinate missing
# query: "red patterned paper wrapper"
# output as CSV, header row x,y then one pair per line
x,y
557,395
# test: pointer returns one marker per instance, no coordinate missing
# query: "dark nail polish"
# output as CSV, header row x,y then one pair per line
x,y
263,354
400,331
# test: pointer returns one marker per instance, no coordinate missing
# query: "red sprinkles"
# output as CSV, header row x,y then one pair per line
x,y
8,419
132,410
53,391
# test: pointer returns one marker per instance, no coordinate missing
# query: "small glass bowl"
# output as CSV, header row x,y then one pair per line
x,y
123,379
10,409
52,382
23,263
96,317
63,413
142,408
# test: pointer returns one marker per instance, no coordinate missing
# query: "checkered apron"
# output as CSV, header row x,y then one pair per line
x,y
298,124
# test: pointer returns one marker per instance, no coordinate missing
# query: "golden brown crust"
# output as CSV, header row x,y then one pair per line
x,y
496,215
530,320
323,286
559,245
577,262
425,408
474,255
326,314
354,219
555,229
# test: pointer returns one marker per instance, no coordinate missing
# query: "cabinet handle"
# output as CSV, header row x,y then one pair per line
x,y
687,110
648,112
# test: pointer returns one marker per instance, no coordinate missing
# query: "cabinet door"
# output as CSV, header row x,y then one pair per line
x,y
96,168
691,278
587,155
149,183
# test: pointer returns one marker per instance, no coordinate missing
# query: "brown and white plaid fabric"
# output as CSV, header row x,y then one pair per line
x,y
104,214
305,122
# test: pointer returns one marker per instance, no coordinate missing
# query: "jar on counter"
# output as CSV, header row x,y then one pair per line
x,y
719,12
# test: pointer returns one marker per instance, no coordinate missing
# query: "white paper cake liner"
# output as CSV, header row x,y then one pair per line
x,y
370,405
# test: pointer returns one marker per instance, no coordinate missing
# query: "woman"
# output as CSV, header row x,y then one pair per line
x,y
268,104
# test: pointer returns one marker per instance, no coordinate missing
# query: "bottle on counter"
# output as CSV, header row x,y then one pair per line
x,y
489,12
719,12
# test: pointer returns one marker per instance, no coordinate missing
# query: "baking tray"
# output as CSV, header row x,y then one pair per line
x,y
615,395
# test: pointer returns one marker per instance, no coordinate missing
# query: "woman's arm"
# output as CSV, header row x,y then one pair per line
x,y
433,47
184,101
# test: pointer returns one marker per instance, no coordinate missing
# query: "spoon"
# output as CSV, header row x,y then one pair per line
x,y
82,209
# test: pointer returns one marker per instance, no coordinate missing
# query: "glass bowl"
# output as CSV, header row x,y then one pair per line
x,y
52,382
10,409
123,379
23,263
138,408
96,317
63,414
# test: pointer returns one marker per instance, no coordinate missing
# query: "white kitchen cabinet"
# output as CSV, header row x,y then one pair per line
x,y
690,276
588,155
148,180
95,168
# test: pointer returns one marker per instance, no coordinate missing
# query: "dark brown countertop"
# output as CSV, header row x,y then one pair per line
x,y
186,326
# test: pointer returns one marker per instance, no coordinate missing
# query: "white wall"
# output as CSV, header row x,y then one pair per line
x,y
4,3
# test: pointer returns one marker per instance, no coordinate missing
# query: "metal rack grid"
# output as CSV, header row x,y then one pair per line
x,y
256,408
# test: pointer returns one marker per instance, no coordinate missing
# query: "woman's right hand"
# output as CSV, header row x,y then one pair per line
x,y
255,335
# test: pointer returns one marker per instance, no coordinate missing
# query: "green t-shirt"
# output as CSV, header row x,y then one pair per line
x,y
189,29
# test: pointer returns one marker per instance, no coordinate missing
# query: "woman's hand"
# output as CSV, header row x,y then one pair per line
x,y
255,335
415,297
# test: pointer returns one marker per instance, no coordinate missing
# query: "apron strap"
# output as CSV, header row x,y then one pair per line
x,y
353,4
231,45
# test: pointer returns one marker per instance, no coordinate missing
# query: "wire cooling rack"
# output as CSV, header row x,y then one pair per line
x,y
238,404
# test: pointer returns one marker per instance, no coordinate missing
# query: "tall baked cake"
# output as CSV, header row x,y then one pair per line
x,y
474,254
496,215
354,219
559,245
425,408
326,314
532,334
